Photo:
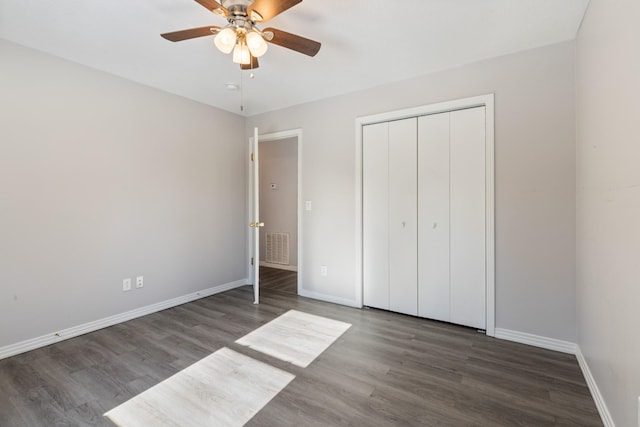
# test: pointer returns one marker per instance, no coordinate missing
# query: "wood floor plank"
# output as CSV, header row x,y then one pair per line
x,y
387,369
37,409
9,414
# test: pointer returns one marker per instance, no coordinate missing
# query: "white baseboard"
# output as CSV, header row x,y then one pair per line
x,y
607,420
564,347
328,298
279,266
44,340
536,340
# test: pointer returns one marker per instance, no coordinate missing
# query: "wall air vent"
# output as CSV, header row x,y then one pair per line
x,y
277,248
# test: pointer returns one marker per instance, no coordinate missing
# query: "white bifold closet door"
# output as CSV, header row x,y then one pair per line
x,y
375,218
390,270
424,216
468,217
433,211
403,216
452,241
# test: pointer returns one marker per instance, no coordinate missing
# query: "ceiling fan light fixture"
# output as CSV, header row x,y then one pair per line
x,y
241,54
225,40
256,44
241,37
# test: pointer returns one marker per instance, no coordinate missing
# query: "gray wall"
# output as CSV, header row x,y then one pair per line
x,y
535,181
608,202
279,207
103,179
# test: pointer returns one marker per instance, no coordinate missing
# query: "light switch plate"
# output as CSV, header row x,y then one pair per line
x,y
307,205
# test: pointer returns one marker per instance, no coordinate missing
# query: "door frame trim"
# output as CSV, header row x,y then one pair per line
x,y
486,101
274,136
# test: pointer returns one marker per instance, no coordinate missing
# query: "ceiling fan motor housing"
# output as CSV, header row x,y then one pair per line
x,y
228,4
238,16
237,8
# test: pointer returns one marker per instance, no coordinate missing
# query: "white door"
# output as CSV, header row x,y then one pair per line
x,y
451,197
403,217
433,217
389,220
468,217
255,223
375,215
424,216
453,256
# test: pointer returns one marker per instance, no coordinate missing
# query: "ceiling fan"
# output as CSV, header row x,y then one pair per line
x,y
241,35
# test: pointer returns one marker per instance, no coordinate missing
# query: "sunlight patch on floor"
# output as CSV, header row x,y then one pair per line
x,y
224,389
295,337
228,388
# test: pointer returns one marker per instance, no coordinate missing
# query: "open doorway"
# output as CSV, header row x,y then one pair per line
x,y
279,210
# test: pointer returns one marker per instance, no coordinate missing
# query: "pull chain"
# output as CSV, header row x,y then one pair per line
x,y
251,76
241,91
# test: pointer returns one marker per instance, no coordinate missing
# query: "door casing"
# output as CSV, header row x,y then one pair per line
x,y
274,136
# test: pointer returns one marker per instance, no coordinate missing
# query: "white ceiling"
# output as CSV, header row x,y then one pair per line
x,y
365,43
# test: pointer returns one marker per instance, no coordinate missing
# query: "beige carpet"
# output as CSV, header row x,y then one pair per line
x,y
295,337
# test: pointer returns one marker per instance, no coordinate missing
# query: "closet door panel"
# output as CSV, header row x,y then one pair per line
x,y
467,216
433,216
403,218
375,218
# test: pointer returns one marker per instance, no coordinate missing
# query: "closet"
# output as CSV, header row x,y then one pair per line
x,y
424,216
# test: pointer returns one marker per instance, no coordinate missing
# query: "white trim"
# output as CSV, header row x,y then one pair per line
x,y
74,331
255,168
605,415
247,220
536,340
278,266
358,200
490,233
564,347
292,133
441,107
328,298
477,101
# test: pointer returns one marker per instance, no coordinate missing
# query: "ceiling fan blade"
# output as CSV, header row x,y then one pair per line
x,y
191,33
214,7
293,42
252,66
268,9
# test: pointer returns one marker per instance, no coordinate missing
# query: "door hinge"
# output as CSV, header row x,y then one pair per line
x,y
251,260
252,157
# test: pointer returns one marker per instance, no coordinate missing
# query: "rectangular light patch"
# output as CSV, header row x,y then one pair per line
x,y
295,337
224,389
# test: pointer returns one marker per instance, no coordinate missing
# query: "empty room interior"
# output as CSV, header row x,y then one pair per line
x,y
319,213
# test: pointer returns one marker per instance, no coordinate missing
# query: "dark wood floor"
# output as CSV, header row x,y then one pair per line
x,y
386,370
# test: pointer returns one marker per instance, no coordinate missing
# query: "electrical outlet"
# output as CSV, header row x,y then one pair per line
x,y
139,282
323,270
126,285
